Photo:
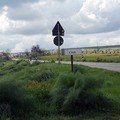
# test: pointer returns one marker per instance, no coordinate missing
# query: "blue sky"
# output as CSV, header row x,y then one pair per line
x,y
24,23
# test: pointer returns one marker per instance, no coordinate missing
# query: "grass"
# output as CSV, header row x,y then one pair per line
x,y
92,116
87,57
32,79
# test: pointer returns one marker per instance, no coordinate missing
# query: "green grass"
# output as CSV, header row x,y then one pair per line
x,y
87,57
92,116
39,79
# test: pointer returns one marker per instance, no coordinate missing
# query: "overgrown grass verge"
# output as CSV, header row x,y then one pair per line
x,y
48,91
81,93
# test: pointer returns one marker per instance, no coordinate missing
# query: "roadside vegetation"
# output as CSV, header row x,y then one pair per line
x,y
48,91
87,57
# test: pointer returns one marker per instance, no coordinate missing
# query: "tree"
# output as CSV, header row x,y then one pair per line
x,y
27,53
35,51
5,55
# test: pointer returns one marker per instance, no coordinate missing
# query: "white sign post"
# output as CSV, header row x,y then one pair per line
x,y
71,52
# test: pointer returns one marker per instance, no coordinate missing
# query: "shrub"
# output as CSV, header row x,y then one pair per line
x,y
81,93
61,88
43,76
52,61
47,74
34,63
42,97
84,60
80,69
14,96
99,59
15,66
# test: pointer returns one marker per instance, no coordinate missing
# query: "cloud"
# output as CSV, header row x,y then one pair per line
x,y
89,40
6,24
18,43
26,42
39,17
15,3
80,17
97,16
24,23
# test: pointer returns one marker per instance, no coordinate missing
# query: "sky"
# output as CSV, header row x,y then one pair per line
x,y
24,23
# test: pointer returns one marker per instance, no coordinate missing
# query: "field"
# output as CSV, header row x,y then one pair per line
x,y
87,57
48,91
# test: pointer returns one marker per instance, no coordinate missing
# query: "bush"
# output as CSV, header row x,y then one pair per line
x,y
79,92
35,63
43,76
61,89
80,69
52,61
15,66
47,74
99,60
40,91
15,99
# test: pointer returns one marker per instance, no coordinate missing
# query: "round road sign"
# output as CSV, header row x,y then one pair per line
x,y
56,41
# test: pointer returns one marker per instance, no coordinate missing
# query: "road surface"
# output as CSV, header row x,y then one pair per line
x,y
108,66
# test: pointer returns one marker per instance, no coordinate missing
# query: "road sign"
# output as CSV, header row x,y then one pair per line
x,y
56,41
72,51
58,30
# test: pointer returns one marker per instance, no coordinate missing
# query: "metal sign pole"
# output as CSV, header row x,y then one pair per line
x,y
58,44
72,63
58,31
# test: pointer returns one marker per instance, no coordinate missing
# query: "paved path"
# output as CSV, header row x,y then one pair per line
x,y
108,66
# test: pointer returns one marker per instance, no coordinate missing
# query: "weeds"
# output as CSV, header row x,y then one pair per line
x,y
79,92
14,99
42,90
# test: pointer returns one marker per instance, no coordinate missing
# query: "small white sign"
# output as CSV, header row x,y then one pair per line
x,y
72,51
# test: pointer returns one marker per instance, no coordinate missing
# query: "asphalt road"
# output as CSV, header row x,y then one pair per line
x,y
108,66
